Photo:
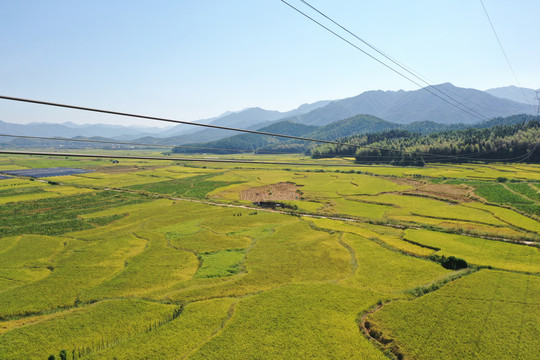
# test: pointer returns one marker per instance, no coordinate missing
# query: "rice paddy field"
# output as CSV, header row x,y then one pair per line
x,y
147,259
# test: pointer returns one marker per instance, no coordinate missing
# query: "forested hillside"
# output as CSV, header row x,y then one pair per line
x,y
517,142
251,142
359,124
366,130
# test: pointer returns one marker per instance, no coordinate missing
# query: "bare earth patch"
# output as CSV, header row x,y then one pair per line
x,y
444,191
406,181
279,191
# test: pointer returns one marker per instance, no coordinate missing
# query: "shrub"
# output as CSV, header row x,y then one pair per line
x,y
453,263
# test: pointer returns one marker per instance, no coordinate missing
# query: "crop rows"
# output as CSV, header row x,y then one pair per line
x,y
60,214
76,331
193,187
20,191
526,189
498,194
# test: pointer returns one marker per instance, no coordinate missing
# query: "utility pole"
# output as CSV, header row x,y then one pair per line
x,y
537,114
538,100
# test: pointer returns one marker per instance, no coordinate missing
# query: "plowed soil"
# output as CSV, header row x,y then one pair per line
x,y
279,191
443,191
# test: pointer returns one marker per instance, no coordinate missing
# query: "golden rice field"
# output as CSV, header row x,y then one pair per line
x,y
148,259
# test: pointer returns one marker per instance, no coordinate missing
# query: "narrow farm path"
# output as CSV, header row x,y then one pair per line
x,y
354,258
524,197
224,323
386,343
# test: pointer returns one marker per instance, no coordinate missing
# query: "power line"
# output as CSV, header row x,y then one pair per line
x,y
504,52
110,112
75,107
243,130
120,143
513,73
383,63
212,160
172,146
537,98
168,158
410,71
429,156
397,72
157,145
83,140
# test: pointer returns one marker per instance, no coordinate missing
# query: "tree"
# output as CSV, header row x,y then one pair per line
x,y
453,263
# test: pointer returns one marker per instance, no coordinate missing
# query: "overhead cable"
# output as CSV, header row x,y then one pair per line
x,y
482,117
407,69
119,143
75,107
110,112
504,53
169,158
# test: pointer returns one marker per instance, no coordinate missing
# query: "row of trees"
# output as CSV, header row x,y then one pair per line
x,y
517,142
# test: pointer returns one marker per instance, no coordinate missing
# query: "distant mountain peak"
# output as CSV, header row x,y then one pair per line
x,y
514,93
446,84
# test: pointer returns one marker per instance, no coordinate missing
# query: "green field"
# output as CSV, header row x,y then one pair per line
x,y
170,260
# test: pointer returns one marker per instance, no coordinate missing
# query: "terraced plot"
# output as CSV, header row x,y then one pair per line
x,y
478,251
197,324
57,215
84,330
487,315
528,190
192,187
510,217
295,321
506,195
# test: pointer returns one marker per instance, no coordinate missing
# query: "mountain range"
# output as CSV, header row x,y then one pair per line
x,y
399,107
357,125
405,107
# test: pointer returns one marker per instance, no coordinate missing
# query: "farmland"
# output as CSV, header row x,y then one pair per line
x,y
493,314
165,260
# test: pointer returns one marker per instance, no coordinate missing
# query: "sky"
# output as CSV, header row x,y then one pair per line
x,y
196,59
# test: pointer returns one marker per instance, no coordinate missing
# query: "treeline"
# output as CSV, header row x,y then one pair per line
x,y
516,142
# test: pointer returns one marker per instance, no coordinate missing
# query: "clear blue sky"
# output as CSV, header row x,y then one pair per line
x,y
193,59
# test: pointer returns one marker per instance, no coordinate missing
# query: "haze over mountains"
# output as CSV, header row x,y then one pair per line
x,y
514,93
400,107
